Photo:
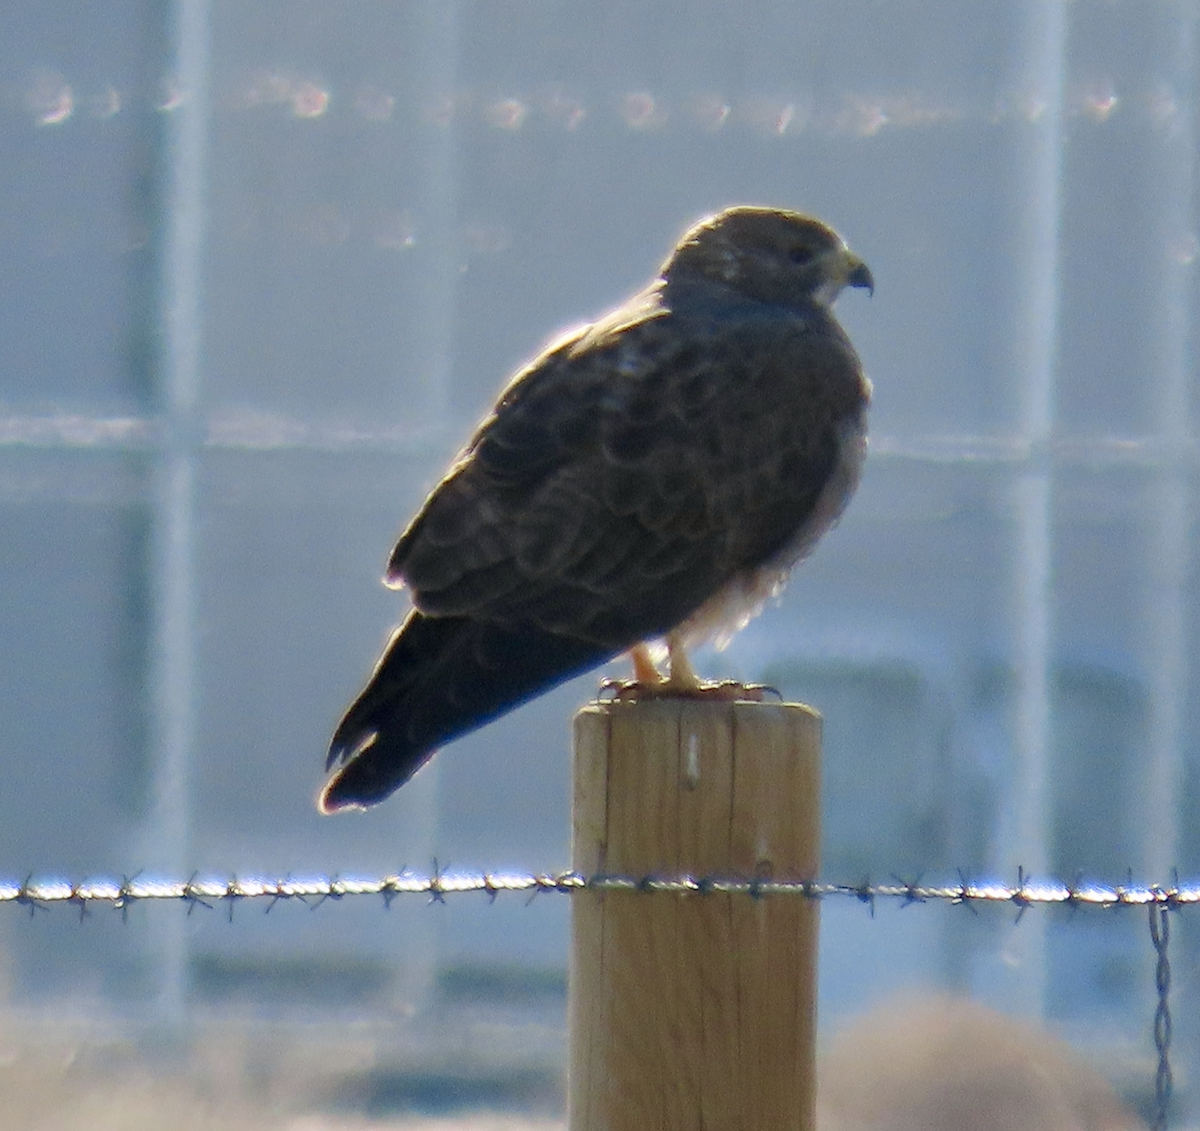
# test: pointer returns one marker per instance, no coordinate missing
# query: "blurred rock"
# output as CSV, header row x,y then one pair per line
x,y
948,1064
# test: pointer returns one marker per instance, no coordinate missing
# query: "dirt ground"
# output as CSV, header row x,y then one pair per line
x,y
932,1063
72,1077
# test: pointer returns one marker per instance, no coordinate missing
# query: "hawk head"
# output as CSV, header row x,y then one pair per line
x,y
769,254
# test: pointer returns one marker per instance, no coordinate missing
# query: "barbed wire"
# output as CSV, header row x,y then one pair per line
x,y
437,885
255,431
50,98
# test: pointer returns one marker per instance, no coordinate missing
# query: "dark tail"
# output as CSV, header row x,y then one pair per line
x,y
440,678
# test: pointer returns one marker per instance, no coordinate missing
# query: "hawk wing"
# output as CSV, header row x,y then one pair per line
x,y
624,478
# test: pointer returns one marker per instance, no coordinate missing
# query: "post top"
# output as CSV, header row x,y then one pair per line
x,y
698,706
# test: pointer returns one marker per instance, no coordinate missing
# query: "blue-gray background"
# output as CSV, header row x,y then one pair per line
x,y
261,267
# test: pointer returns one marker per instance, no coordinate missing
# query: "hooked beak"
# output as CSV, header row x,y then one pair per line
x,y
859,275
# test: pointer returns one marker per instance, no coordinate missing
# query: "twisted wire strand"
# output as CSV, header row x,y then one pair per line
x,y
1164,1086
437,885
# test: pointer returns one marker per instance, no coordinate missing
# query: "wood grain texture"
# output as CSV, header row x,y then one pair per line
x,y
692,1012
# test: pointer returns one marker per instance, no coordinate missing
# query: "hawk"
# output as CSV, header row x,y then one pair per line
x,y
650,477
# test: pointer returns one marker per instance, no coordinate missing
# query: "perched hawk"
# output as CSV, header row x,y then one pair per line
x,y
652,476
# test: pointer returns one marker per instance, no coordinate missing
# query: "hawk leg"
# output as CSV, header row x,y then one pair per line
x,y
644,671
682,682
683,679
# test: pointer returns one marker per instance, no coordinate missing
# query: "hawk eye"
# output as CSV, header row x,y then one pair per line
x,y
800,255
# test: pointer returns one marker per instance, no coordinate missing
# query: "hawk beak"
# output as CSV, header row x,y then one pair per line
x,y
858,274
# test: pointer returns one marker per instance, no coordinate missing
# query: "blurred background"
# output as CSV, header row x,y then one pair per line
x,y
263,265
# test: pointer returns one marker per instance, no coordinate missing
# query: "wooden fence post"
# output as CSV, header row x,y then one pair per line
x,y
694,1012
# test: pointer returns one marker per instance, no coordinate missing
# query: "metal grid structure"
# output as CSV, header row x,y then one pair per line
x,y
354,229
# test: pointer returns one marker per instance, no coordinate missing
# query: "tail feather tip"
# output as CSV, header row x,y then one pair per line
x,y
368,776
329,800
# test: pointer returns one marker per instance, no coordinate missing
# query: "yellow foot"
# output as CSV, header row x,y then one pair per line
x,y
724,691
682,683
